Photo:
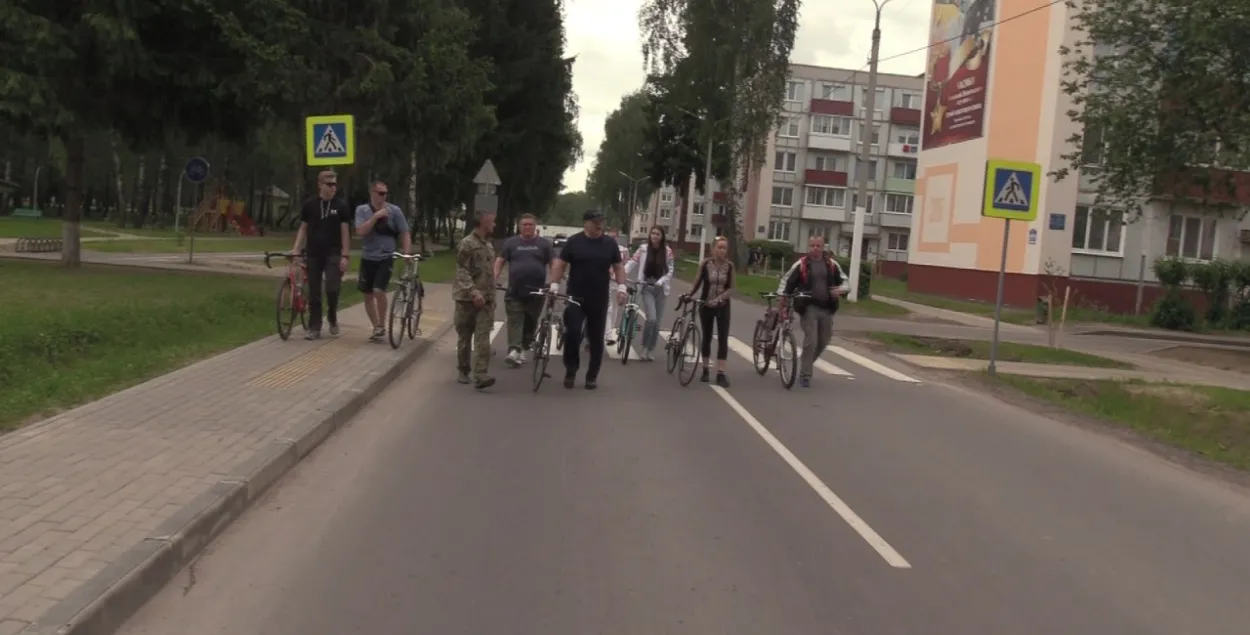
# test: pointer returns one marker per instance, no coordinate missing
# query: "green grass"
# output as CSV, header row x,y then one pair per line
x,y
897,289
750,286
1007,351
1210,421
72,336
35,228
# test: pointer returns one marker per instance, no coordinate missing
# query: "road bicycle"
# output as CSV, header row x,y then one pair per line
x,y
292,297
690,349
632,320
672,345
549,320
406,301
774,337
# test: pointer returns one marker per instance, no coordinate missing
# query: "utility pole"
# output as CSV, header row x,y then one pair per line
x,y
865,154
707,197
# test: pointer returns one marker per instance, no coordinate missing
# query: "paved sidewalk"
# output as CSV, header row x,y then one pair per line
x,y
111,499
954,316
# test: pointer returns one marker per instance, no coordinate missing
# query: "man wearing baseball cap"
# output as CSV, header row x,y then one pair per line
x,y
592,260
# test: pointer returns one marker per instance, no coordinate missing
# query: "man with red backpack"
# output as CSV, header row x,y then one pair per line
x,y
816,274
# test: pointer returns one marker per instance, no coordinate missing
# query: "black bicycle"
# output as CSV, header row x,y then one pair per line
x,y
549,320
774,337
406,301
690,348
672,345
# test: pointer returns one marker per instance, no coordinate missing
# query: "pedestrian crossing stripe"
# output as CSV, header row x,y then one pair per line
x,y
330,140
1012,194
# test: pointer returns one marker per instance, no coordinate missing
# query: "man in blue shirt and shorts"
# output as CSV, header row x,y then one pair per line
x,y
380,225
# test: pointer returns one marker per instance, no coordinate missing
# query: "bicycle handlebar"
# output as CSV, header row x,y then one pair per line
x,y
417,257
270,255
773,295
559,296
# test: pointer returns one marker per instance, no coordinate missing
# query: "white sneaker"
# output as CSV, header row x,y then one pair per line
x,y
525,357
611,336
513,360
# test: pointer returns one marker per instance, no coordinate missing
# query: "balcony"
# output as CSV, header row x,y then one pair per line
x,y
825,177
829,142
832,107
900,185
820,212
891,219
905,117
905,150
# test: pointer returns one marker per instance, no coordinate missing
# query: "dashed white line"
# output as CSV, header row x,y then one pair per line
x,y
871,365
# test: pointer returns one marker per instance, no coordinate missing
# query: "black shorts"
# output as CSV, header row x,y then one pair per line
x,y
374,275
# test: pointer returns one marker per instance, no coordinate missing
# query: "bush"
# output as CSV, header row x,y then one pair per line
x,y
1215,280
1173,311
865,275
775,249
1239,317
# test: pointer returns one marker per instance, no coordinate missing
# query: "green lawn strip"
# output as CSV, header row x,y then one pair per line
x,y
72,336
150,232
35,228
1007,351
751,286
1208,420
897,290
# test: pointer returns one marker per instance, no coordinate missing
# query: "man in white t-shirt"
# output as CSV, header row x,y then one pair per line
x,y
614,310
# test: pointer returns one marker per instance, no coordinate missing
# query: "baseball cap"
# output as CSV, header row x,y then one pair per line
x,y
592,214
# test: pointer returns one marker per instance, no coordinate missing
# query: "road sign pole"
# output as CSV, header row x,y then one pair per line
x,y
178,203
998,303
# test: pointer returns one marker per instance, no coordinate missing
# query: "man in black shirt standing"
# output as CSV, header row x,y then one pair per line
x,y
325,229
592,258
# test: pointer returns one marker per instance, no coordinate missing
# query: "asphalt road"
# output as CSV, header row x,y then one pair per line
x,y
865,505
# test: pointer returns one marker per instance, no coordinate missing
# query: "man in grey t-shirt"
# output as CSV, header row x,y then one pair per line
x,y
380,225
528,257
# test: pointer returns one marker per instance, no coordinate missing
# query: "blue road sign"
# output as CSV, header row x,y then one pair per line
x,y
197,170
1011,190
1058,221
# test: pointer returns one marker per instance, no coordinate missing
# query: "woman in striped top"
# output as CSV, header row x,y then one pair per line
x,y
716,282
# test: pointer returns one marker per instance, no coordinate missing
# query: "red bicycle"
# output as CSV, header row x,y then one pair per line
x,y
292,299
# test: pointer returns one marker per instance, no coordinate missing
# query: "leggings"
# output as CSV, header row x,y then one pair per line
x,y
719,315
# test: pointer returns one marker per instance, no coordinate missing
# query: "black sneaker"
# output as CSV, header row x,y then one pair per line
x,y
568,381
591,384
722,380
706,376
484,382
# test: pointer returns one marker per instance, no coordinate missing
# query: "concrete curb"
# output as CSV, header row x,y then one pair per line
x,y
103,604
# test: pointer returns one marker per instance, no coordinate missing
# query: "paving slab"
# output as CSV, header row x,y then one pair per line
x,y
1061,371
100,506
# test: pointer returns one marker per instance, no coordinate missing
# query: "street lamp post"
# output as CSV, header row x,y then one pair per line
x,y
865,154
707,183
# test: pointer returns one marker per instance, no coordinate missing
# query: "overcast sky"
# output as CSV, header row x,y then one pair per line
x,y
603,34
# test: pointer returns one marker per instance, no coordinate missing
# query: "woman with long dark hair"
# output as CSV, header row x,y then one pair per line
x,y
716,282
654,260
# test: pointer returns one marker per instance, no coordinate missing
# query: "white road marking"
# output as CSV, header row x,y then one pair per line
x,y
494,330
874,540
610,350
745,351
871,365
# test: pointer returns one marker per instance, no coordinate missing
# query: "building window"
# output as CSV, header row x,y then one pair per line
x,y
871,167
779,230
907,136
905,170
666,197
720,210
1092,146
665,213
879,98
643,219
896,242
785,161
818,231
696,230
876,135
829,163
899,203
836,92
697,209
855,203
826,196
1098,230
1191,237
794,91
828,124
909,100
783,196
789,128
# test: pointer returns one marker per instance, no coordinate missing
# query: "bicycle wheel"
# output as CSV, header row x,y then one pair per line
x,y
787,358
672,345
627,336
286,308
412,321
759,347
541,353
691,355
395,321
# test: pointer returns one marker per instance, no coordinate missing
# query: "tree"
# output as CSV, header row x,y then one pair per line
x,y
568,209
1160,89
735,56
622,153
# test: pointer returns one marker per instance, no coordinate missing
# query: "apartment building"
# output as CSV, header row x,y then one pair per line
x,y
664,210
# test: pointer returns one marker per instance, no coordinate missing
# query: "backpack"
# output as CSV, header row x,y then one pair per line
x,y
829,265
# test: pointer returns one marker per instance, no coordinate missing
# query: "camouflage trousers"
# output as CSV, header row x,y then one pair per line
x,y
473,326
523,314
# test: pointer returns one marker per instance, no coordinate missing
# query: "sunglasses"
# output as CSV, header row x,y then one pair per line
x,y
382,194
331,184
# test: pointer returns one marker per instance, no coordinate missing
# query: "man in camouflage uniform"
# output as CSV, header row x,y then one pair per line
x,y
474,293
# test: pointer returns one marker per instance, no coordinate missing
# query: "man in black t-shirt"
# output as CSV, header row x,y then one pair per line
x,y
592,259
324,229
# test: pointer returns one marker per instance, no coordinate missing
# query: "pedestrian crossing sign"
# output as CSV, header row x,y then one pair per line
x,y
330,140
1011,190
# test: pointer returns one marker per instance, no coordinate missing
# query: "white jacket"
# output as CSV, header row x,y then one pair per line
x,y
638,261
